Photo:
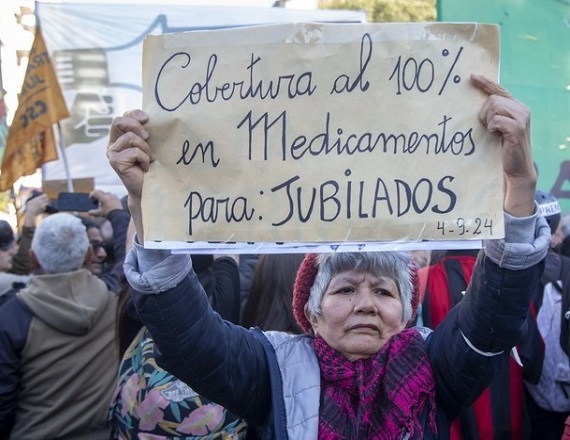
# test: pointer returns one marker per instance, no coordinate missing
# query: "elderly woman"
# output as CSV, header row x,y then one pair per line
x,y
358,372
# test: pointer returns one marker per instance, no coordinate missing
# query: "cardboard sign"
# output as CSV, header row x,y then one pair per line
x,y
319,134
53,187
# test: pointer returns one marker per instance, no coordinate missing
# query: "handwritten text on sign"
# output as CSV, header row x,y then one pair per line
x,y
321,133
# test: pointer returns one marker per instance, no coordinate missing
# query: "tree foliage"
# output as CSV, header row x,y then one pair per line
x,y
387,10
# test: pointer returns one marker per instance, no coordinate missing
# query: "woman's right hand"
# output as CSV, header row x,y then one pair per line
x,y
130,156
128,151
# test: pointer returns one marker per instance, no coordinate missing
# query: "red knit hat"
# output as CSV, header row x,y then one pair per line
x,y
306,277
302,289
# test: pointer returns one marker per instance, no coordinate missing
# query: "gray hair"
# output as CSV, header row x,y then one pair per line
x,y
394,265
60,243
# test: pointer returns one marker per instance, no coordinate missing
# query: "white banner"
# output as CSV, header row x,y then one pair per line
x,y
97,51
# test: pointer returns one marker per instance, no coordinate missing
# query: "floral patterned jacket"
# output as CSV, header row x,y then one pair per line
x,y
151,404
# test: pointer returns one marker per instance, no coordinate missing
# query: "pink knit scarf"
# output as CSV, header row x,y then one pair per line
x,y
382,397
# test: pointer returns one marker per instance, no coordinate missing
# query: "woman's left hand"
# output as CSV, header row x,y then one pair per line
x,y
504,115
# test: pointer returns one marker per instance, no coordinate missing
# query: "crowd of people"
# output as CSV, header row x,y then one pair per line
x,y
101,338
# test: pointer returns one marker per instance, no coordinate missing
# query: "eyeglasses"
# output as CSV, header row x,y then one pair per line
x,y
96,245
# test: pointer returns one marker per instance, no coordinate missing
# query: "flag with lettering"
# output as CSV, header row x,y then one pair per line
x,y
31,141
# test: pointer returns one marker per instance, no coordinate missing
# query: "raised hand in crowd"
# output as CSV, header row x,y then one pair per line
x,y
107,202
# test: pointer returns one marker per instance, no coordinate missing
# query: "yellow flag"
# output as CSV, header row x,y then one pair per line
x,y
30,140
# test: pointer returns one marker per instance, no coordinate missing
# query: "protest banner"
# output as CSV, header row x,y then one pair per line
x,y
53,187
31,141
320,133
100,68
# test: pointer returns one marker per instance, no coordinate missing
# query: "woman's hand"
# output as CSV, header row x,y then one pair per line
x,y
504,115
130,156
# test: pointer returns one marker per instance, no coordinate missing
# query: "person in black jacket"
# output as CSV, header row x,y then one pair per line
x,y
548,399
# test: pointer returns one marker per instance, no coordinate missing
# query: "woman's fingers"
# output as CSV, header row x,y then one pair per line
x,y
510,119
130,140
128,131
488,86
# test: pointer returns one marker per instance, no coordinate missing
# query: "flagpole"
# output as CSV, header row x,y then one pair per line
x,y
61,148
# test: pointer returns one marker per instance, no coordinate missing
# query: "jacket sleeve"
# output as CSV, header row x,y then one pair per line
x,y
477,334
226,300
119,219
219,360
15,319
22,263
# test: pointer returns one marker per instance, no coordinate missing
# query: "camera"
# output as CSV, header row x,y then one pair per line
x,y
68,201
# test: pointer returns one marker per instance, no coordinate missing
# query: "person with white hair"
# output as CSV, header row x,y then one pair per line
x,y
359,371
58,355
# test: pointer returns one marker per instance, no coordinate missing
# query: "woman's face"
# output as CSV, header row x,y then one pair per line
x,y
360,312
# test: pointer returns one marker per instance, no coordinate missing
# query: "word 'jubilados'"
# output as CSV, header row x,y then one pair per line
x,y
331,200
